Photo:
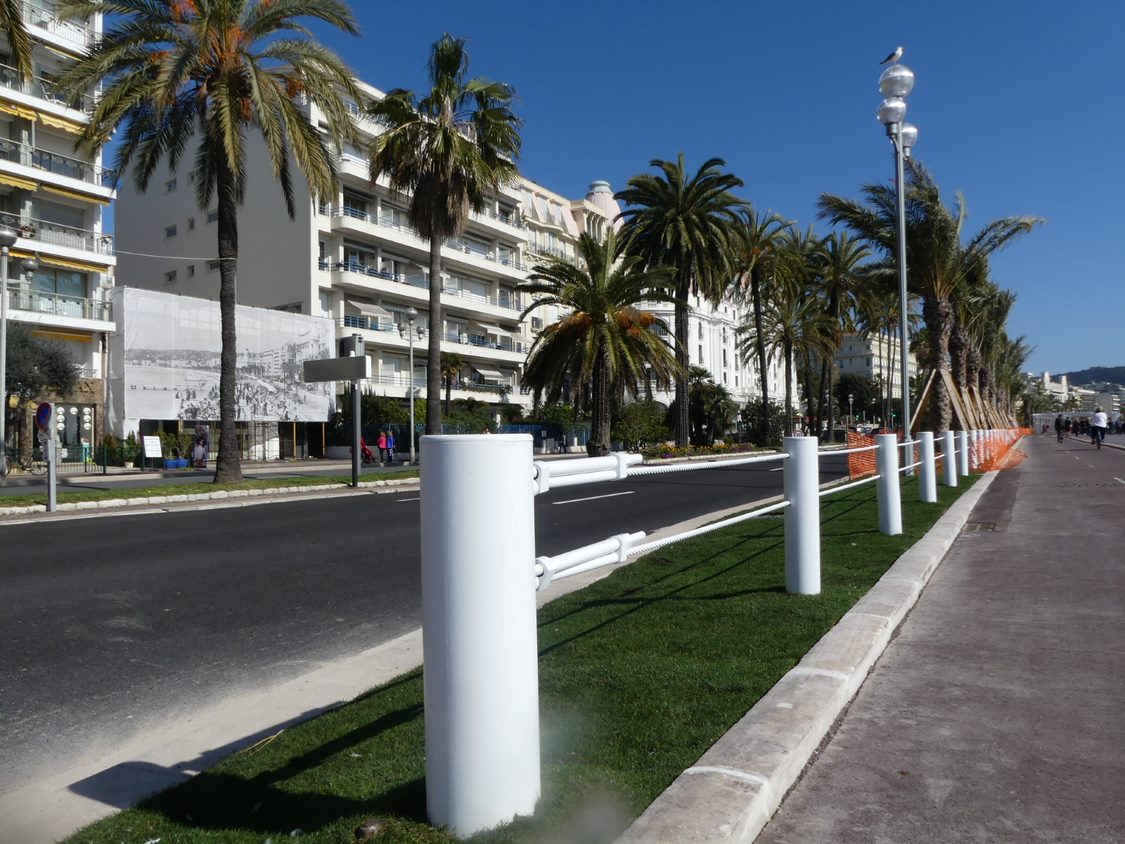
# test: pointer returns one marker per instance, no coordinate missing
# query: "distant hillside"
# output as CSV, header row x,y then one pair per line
x,y
1113,374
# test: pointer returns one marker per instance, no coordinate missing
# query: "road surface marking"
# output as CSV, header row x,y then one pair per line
x,y
419,498
778,469
594,497
1119,480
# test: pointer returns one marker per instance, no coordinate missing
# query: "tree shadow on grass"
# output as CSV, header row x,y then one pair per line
x,y
221,800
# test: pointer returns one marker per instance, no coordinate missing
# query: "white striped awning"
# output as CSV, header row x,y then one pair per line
x,y
491,374
367,309
488,328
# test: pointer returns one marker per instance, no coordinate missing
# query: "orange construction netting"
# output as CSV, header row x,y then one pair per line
x,y
993,450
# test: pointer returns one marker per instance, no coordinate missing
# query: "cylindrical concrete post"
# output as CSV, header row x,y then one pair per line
x,y
949,459
481,672
963,453
802,516
887,487
974,448
927,478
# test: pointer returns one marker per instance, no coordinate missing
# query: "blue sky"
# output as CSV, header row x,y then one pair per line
x,y
1019,105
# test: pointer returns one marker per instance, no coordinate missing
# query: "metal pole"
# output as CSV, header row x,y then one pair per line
x,y
927,478
50,445
900,190
356,434
802,516
887,487
949,459
3,363
481,677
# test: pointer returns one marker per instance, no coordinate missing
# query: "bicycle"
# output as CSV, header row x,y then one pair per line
x,y
32,465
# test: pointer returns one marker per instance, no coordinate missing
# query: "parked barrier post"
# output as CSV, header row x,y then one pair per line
x,y
949,459
927,478
974,457
802,516
963,453
887,487
480,655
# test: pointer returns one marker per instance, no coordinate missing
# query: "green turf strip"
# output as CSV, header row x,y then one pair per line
x,y
639,674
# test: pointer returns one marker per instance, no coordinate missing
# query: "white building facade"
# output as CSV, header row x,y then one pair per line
x,y
875,356
54,200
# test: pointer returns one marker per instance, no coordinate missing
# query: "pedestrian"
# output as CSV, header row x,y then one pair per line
x,y
381,444
1098,423
390,447
1059,425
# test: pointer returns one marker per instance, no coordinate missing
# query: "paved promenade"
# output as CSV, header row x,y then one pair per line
x,y
998,712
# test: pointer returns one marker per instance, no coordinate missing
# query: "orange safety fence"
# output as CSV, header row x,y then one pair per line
x,y
992,451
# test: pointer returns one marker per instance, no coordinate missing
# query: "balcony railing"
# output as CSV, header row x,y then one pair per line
x,y
504,344
506,299
53,162
53,303
43,89
42,13
59,234
387,223
366,323
506,219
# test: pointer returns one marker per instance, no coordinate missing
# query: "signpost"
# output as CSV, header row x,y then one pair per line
x,y
45,421
354,368
152,449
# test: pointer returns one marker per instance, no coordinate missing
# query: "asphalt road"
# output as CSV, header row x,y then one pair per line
x,y
109,625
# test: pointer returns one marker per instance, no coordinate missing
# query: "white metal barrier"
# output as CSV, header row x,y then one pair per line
x,y
479,645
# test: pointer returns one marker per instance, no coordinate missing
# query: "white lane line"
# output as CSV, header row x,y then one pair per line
x,y
419,498
778,469
1119,480
594,497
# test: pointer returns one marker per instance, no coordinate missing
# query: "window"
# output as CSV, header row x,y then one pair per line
x,y
736,380
169,185
191,270
212,266
536,323
170,277
699,330
701,353
169,231
191,224
212,216
724,359
66,288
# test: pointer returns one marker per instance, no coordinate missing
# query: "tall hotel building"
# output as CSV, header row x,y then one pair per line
x,y
355,259
53,200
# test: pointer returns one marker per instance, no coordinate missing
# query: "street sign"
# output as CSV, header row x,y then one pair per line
x,y
338,369
152,447
44,415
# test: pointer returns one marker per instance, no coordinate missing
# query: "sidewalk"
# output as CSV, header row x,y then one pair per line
x,y
996,713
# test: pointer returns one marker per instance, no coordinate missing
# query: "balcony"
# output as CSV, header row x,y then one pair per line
x,y
54,304
507,300
518,346
42,13
57,234
60,165
366,324
43,89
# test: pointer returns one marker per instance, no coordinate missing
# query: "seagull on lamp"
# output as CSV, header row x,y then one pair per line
x,y
893,57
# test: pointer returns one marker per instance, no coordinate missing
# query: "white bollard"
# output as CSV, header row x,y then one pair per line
x,y
927,478
802,516
974,450
887,487
963,453
481,670
949,459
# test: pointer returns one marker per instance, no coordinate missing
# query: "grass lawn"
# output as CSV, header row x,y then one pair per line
x,y
71,495
639,674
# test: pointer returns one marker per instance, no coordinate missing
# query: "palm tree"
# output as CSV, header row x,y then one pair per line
x,y
840,274
937,260
448,151
19,42
760,241
451,366
604,339
214,70
690,225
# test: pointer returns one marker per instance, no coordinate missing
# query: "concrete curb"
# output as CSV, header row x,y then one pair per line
x,y
220,495
731,792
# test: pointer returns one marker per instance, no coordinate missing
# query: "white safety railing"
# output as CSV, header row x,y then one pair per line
x,y
479,643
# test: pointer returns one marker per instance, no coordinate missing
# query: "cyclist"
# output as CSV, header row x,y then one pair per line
x,y
1098,423
1059,427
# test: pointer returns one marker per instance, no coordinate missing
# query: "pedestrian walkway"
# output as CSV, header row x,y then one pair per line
x,y
997,712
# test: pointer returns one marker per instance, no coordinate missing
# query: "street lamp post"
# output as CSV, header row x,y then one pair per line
x,y
895,83
408,329
851,416
7,241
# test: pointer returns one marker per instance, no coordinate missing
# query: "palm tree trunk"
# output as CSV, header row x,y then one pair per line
x,y
228,468
938,315
682,340
433,357
600,416
448,391
789,389
958,355
760,349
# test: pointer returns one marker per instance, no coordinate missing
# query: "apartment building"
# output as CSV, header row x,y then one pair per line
x,y
62,263
355,259
875,356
